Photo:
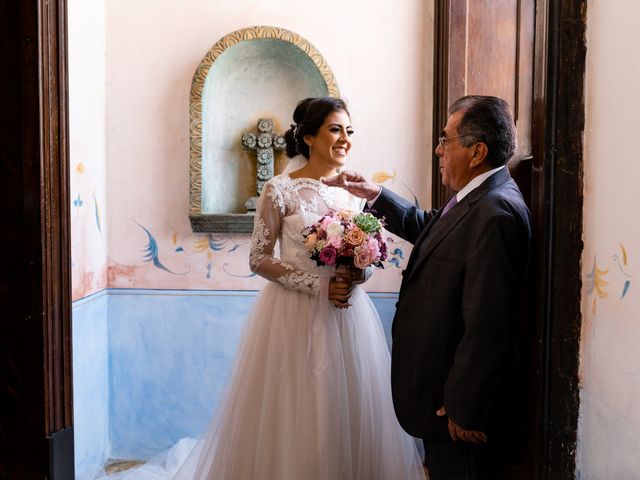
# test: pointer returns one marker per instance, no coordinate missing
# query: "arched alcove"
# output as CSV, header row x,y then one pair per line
x,y
254,73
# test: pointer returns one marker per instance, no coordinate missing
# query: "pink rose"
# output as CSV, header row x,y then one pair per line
x,y
373,246
328,255
335,242
326,221
363,258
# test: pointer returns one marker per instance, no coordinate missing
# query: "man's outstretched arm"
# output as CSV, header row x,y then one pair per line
x,y
355,184
402,217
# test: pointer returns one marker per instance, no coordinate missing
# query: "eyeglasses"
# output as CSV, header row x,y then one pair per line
x,y
443,140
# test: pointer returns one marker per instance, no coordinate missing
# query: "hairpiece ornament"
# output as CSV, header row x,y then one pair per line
x,y
295,128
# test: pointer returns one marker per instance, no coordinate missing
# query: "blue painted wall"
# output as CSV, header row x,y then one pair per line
x,y
90,383
151,365
169,357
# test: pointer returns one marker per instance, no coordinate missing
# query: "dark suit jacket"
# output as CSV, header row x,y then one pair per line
x,y
455,322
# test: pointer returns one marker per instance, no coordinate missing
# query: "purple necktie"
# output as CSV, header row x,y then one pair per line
x,y
450,204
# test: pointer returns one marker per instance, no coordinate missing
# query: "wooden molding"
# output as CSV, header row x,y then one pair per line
x,y
558,124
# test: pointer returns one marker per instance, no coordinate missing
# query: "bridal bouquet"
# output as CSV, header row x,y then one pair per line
x,y
346,238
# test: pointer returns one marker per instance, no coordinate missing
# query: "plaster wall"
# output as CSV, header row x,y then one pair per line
x,y
92,446
609,423
87,43
380,54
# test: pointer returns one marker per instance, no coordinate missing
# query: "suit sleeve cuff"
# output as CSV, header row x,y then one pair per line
x,y
371,202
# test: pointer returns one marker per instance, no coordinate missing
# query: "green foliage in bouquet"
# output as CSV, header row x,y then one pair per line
x,y
367,222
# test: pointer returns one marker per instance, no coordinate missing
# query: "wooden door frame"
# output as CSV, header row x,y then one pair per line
x,y
56,237
558,123
37,426
557,185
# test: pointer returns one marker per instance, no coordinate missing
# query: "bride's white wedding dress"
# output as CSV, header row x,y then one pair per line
x,y
309,397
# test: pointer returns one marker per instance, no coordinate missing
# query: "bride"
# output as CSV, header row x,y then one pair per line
x,y
309,397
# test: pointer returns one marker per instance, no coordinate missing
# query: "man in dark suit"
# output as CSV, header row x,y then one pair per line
x,y
454,331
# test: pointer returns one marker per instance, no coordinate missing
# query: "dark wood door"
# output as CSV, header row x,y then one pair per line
x,y
36,438
485,47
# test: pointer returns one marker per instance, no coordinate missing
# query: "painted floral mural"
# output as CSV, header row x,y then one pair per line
x,y
151,256
609,277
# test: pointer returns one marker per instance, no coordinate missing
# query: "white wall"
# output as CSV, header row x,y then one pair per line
x,y
87,144
380,53
609,424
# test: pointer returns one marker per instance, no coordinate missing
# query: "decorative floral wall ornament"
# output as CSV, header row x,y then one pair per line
x,y
212,245
395,257
249,140
209,244
225,269
174,241
381,176
627,282
152,253
78,202
599,287
97,212
596,281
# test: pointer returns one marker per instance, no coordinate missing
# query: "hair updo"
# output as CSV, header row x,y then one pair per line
x,y
308,117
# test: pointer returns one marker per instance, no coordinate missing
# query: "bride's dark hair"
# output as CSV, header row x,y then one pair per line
x,y
309,116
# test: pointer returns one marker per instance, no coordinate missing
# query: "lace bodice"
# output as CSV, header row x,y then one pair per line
x,y
288,205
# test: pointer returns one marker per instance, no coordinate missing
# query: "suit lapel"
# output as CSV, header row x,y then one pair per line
x,y
438,229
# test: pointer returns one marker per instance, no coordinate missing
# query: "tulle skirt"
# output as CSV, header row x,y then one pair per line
x,y
309,399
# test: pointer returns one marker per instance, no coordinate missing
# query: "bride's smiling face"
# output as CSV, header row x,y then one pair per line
x,y
333,140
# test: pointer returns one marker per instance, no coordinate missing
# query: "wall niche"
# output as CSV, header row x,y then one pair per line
x,y
250,74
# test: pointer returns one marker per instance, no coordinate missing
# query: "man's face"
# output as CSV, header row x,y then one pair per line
x,y
455,159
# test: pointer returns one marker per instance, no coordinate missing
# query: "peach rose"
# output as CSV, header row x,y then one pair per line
x,y
362,259
346,214
355,236
311,241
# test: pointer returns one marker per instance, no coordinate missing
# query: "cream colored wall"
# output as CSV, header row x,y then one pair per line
x,y
87,144
609,424
380,53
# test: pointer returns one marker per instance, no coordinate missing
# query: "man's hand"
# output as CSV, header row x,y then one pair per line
x,y
340,287
459,433
355,184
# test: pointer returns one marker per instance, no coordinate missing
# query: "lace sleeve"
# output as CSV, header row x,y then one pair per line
x,y
268,222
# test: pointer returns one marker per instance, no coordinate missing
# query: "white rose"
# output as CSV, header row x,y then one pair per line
x,y
335,229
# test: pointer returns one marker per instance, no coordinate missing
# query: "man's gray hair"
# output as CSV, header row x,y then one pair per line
x,y
487,119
